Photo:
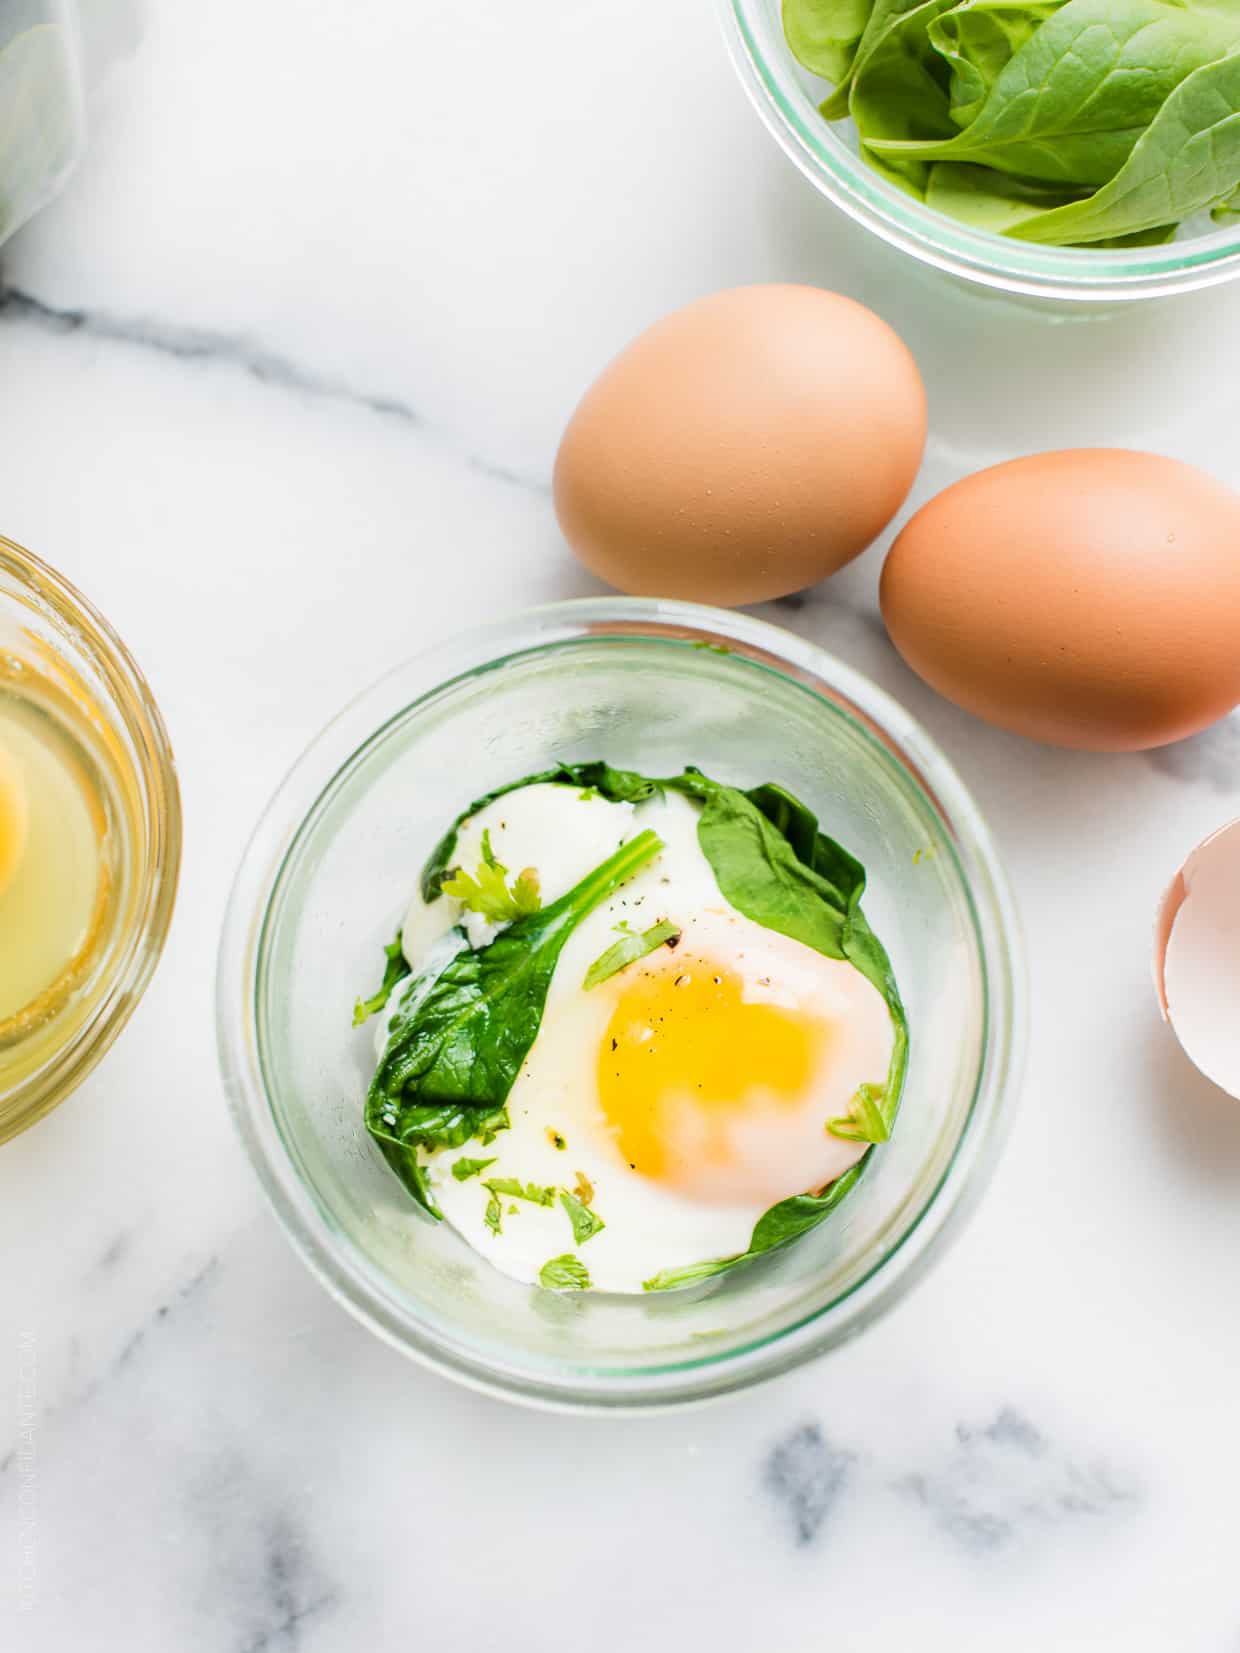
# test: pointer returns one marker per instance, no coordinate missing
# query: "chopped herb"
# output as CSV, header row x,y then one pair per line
x,y
865,1120
489,892
566,1273
396,969
521,1191
631,947
584,1189
492,1215
463,1169
499,1122
585,1223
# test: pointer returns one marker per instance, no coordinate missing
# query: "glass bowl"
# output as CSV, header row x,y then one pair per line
x,y
53,641
787,98
652,685
41,106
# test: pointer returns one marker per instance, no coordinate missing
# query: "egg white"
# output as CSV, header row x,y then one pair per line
x,y
648,1226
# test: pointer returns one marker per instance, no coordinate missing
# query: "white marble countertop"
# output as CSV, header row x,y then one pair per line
x,y
281,378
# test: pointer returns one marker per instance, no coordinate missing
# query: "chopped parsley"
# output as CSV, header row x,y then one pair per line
x,y
463,1169
488,892
586,1223
566,1273
512,1189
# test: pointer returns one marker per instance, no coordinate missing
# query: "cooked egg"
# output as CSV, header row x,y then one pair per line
x,y
683,1096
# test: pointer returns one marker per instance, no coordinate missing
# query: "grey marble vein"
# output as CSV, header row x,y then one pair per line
x,y
200,344
128,1350
1004,1478
806,1475
263,1580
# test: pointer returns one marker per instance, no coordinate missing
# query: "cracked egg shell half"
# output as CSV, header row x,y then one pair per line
x,y
1197,957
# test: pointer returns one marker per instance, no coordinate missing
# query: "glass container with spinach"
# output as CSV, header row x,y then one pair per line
x,y
1063,122
460,1027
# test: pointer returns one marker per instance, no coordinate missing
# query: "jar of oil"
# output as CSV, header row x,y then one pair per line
x,y
89,837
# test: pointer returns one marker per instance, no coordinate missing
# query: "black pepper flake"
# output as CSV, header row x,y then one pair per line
x,y
613,1044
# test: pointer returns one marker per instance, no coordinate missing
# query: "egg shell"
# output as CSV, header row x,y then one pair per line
x,y
742,448
1088,598
1197,957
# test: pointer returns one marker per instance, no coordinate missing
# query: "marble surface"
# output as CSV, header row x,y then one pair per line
x,y
281,378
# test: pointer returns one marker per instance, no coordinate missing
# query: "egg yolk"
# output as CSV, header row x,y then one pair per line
x,y
13,819
686,1057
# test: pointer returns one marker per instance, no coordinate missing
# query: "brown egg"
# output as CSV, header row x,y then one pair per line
x,y
1089,598
743,447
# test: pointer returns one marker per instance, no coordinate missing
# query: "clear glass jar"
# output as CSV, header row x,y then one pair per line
x,y
42,127
59,654
787,99
652,685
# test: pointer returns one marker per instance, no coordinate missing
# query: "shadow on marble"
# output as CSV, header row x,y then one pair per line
x,y
1197,1120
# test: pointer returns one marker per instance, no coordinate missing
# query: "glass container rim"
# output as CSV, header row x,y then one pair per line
x,y
1070,274
358,1285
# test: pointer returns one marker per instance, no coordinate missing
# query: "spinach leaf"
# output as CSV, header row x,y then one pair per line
x,y
987,199
1188,161
978,40
783,1223
567,1273
37,120
457,1041
395,969
1074,100
900,96
824,34
586,1223
865,1120
633,945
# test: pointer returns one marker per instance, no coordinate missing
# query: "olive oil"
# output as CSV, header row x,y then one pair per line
x,y
55,879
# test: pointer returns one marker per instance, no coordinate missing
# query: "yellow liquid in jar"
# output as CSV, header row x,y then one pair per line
x,y
55,876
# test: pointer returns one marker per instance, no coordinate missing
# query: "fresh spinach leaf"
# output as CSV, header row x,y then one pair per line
x,y
37,121
457,1041
987,199
633,945
977,41
780,1225
1187,162
1078,95
586,1223
566,1273
824,34
900,96
463,1169
395,969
